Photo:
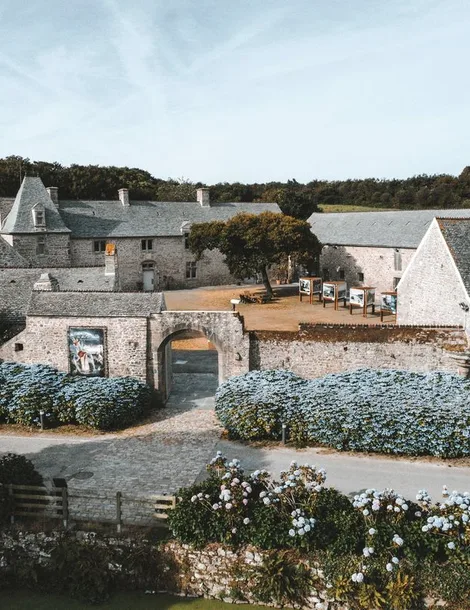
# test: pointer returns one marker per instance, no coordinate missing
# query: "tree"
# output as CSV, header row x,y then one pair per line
x,y
252,243
294,200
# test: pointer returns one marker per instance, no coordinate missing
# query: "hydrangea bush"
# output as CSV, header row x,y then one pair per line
x,y
103,403
378,550
386,411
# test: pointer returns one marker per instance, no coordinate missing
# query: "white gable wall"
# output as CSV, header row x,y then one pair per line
x,y
431,288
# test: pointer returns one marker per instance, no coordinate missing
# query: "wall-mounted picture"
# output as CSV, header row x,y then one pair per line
x,y
329,291
389,303
356,297
86,351
304,286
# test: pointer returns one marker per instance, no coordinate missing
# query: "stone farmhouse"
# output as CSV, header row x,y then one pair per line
x,y
149,237
372,248
435,287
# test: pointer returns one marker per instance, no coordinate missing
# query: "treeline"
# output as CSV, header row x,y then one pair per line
x,y
95,182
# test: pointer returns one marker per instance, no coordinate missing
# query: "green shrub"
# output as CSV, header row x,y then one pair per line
x,y
16,470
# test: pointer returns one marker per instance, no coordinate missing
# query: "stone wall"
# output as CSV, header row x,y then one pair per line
x,y
377,265
169,256
56,248
432,289
320,349
45,341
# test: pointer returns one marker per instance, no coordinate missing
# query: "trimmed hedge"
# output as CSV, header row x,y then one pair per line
x,y
385,411
102,403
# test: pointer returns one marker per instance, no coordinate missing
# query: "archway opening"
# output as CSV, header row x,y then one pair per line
x,y
194,363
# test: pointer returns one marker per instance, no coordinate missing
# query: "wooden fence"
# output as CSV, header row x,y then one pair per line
x,y
40,502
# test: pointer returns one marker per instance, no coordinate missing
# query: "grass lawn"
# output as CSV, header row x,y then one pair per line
x,y
26,600
339,207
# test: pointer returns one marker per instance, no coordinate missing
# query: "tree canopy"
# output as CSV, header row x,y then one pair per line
x,y
252,243
295,199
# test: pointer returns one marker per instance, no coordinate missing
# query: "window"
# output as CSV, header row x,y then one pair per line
x,y
326,274
99,246
360,277
186,242
191,270
395,282
39,217
397,260
341,274
18,347
41,245
147,244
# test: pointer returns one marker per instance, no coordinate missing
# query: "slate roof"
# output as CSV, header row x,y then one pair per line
x,y
400,229
95,304
20,218
16,285
9,257
101,219
456,232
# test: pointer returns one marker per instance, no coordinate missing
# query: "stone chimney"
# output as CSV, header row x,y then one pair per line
x,y
53,194
124,197
46,282
203,197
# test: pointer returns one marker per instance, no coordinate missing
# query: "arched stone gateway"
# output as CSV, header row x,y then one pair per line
x,y
222,328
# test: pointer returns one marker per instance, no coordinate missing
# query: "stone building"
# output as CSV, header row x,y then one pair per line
x,y
372,248
435,288
149,237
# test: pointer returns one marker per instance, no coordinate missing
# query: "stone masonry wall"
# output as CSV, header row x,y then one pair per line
x,y
432,289
377,265
323,349
169,256
56,249
45,341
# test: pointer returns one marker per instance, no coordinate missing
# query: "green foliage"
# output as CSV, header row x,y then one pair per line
x,y
96,402
17,470
282,579
95,182
251,243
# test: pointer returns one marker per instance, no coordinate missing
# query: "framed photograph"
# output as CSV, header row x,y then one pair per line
x,y
342,292
329,291
316,285
389,303
371,296
86,351
356,297
304,286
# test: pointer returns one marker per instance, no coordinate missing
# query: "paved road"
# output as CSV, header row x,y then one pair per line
x,y
173,450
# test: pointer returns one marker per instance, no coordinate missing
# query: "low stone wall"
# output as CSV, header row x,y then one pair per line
x,y
319,349
213,572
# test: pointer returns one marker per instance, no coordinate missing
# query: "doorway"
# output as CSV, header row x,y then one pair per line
x,y
148,276
194,370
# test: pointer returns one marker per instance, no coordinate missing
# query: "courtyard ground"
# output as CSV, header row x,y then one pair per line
x,y
284,313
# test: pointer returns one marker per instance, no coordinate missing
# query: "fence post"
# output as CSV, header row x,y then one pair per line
x,y
118,511
65,506
12,503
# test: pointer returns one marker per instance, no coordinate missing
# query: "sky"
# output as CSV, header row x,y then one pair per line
x,y
239,90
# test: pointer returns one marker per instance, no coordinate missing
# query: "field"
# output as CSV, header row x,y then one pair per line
x,y
284,313
339,207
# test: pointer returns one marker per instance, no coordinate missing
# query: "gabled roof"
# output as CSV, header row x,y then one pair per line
x,y
20,217
95,304
95,219
9,257
456,232
16,285
400,229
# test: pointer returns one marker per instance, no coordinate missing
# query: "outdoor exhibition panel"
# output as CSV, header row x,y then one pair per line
x,y
310,286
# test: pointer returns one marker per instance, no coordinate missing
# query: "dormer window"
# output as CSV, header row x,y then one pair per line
x,y
39,216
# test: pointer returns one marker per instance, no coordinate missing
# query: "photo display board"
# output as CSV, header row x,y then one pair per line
x,y
310,286
362,297
86,351
335,292
388,302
